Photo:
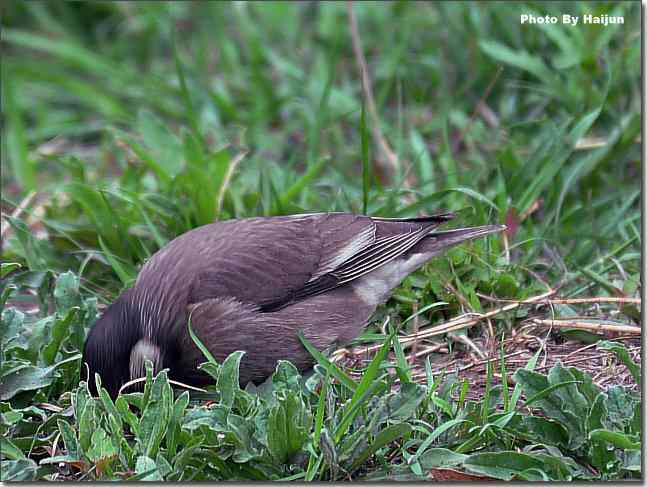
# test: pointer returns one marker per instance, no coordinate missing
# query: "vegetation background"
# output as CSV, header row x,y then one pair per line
x,y
125,124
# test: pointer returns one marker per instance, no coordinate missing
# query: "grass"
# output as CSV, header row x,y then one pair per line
x,y
126,124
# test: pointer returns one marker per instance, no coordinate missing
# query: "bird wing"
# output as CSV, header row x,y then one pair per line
x,y
271,262
266,260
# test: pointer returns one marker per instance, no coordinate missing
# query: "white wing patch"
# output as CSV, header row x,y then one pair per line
x,y
360,241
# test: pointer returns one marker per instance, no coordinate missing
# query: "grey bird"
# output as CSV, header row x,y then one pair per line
x,y
252,284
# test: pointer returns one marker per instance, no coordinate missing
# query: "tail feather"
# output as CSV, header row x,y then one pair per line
x,y
437,218
438,242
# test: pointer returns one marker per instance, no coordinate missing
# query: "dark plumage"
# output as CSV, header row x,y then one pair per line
x,y
251,284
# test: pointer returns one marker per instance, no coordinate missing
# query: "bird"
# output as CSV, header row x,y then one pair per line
x,y
254,284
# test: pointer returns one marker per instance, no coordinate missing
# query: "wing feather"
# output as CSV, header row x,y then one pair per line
x,y
382,251
271,262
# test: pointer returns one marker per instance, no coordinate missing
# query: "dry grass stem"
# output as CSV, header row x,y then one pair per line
x,y
589,326
588,143
432,349
464,339
537,204
464,321
389,156
55,444
506,246
225,183
486,94
488,115
17,212
602,299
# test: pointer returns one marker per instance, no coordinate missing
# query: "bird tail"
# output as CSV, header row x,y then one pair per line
x,y
437,218
438,242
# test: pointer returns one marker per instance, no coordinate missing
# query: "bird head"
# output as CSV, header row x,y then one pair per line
x,y
108,347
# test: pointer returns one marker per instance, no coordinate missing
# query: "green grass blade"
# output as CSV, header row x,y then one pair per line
x,y
186,97
516,393
16,139
126,276
299,186
366,385
330,367
198,343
